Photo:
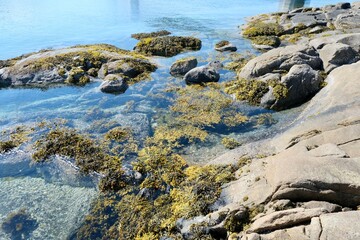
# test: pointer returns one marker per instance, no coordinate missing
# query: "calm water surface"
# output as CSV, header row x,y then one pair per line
x,y
31,25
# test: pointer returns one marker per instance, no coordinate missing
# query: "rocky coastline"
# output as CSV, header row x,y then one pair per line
x,y
303,183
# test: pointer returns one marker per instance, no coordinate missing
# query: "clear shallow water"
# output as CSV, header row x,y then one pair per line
x,y
31,25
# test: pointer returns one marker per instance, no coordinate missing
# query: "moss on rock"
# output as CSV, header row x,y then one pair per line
x,y
167,46
272,41
230,143
259,28
160,33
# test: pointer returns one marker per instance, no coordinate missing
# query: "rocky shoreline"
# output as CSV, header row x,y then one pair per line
x,y
303,183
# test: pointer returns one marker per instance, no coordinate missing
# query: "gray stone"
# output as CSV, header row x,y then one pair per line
x,y
351,39
202,74
302,83
337,54
285,219
282,58
309,19
317,29
330,207
217,65
182,66
113,84
227,48
328,150
124,67
334,226
348,20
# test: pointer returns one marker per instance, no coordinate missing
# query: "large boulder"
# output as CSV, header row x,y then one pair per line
x,y
207,73
301,83
351,39
285,219
348,20
73,65
337,54
128,67
113,84
167,46
282,58
182,66
333,226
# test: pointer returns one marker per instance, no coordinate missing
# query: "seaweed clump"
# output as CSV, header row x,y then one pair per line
x,y
19,225
149,207
167,46
253,90
196,111
160,33
230,143
88,155
13,138
259,28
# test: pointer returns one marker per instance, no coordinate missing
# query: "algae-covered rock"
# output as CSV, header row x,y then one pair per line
x,y
113,84
131,68
73,65
182,66
224,46
167,46
160,33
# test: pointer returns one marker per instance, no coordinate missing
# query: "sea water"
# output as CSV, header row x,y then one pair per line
x,y
54,194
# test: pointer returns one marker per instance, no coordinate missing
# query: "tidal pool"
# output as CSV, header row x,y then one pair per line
x,y
53,193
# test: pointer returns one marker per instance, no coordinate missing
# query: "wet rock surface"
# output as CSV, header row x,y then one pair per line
x,y
182,66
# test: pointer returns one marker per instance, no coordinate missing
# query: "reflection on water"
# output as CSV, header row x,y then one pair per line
x,y
288,5
135,9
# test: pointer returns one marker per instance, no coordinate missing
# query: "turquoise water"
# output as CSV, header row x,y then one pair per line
x,y
31,25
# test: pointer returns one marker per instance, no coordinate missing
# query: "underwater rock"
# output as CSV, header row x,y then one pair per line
x,y
113,84
160,33
73,65
182,66
19,225
224,46
167,46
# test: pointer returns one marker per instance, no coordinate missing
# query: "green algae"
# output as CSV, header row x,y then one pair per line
x,y
266,40
13,138
230,143
259,28
253,90
247,90
167,46
160,33
88,155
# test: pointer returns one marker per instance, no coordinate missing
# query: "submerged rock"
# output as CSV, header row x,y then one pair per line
x,y
182,66
73,65
167,46
224,46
